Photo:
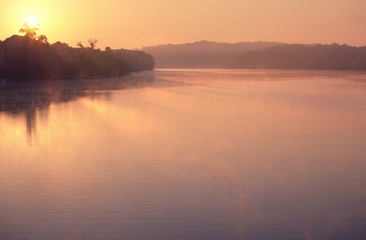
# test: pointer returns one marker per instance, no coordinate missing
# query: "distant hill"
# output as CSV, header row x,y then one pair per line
x,y
203,54
297,56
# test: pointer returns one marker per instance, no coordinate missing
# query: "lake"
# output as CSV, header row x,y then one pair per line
x,y
185,154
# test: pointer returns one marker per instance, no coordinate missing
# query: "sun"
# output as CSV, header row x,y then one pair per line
x,y
32,21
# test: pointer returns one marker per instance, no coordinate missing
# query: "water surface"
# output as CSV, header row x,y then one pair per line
x,y
185,154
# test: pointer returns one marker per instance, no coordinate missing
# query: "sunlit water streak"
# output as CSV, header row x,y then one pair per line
x,y
186,154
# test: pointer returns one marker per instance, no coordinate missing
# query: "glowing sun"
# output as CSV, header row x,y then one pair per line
x,y
32,21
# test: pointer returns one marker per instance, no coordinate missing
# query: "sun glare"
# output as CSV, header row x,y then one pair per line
x,y
32,21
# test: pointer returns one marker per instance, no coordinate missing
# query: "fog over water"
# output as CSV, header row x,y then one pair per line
x,y
185,154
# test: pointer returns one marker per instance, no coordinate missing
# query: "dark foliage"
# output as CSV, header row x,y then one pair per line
x,y
135,60
26,57
33,58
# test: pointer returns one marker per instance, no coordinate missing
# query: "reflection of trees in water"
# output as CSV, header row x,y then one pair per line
x,y
26,99
30,118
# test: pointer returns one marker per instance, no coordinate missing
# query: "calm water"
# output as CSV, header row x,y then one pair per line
x,y
185,154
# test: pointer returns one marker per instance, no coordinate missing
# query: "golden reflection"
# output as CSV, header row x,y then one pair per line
x,y
13,132
121,117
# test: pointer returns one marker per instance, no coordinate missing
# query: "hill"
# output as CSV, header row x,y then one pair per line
x,y
203,54
297,56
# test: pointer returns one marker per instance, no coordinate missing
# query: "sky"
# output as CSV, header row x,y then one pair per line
x,y
133,24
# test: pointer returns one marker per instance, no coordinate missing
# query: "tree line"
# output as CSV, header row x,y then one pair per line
x,y
33,57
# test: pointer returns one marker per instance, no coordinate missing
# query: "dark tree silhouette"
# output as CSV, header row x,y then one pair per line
x,y
79,44
43,39
92,43
30,32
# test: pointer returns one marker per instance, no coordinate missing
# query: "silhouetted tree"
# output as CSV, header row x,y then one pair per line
x,y
30,32
43,39
79,44
92,43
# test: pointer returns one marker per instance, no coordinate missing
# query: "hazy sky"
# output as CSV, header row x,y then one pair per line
x,y
137,23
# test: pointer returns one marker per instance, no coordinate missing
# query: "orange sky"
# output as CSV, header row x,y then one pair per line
x,y
137,23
